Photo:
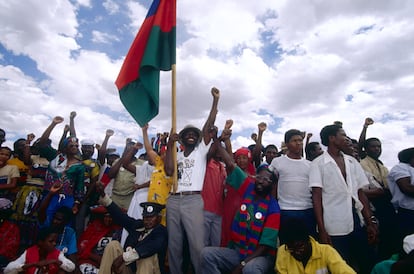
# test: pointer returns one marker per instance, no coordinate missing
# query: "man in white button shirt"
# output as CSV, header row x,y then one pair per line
x,y
339,201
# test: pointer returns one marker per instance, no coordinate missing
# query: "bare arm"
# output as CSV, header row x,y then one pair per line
x,y
404,184
212,116
46,134
257,151
226,135
371,225
26,151
169,161
362,136
102,149
152,155
131,151
64,135
11,185
72,124
317,207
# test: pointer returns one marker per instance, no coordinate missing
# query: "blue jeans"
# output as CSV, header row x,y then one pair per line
x,y
212,229
215,260
185,215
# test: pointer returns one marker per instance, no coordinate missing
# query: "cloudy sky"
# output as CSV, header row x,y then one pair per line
x,y
292,64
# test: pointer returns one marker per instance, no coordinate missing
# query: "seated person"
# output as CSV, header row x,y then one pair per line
x,y
400,263
99,232
43,257
252,246
8,175
146,244
303,255
9,235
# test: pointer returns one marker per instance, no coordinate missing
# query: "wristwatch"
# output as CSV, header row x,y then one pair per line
x,y
243,263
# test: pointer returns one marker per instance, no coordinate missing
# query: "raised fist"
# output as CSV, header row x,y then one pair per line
x,y
215,92
228,124
368,121
58,120
262,126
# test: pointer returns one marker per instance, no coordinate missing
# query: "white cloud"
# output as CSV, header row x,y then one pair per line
x,y
342,60
111,6
102,37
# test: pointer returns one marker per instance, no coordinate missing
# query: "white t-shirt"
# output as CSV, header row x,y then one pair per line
x,y
399,199
191,169
293,189
337,194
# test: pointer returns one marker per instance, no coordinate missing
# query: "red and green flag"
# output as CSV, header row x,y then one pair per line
x,y
153,50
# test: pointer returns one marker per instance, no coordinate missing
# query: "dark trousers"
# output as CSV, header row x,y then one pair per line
x,y
354,248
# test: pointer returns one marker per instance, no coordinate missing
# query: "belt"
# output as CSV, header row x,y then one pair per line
x,y
185,193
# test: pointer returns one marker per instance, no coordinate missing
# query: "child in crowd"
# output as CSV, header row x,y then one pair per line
x,y
43,257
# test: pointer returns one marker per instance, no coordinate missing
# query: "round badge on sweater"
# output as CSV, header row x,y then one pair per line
x,y
243,207
258,215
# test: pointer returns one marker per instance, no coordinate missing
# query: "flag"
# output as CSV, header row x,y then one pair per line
x,y
153,50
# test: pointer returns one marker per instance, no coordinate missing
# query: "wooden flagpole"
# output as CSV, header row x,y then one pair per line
x,y
174,123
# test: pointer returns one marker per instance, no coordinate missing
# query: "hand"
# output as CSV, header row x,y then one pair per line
x,y
303,134
213,132
254,137
225,134
174,137
72,115
215,92
138,145
145,127
117,264
262,126
100,188
56,187
228,124
128,140
372,231
109,132
309,135
98,146
30,138
324,238
368,121
75,208
57,120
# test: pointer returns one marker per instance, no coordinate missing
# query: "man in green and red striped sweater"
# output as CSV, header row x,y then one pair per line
x,y
254,229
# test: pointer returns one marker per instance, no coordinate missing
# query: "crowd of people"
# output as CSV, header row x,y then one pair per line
x,y
190,204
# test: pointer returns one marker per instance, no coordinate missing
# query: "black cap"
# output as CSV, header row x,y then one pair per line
x,y
151,209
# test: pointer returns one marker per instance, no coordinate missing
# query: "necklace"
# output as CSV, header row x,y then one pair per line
x,y
65,249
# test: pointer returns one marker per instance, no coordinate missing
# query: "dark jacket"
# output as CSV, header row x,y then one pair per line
x,y
154,243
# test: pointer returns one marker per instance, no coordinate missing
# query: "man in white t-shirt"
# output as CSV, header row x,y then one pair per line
x,y
293,191
337,182
185,206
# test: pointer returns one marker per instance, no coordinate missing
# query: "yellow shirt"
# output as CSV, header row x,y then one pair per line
x,y
324,259
160,186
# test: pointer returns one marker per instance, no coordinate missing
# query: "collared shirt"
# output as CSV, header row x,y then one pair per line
x,y
377,169
324,259
338,193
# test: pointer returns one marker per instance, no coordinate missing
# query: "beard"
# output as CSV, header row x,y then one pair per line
x,y
262,190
